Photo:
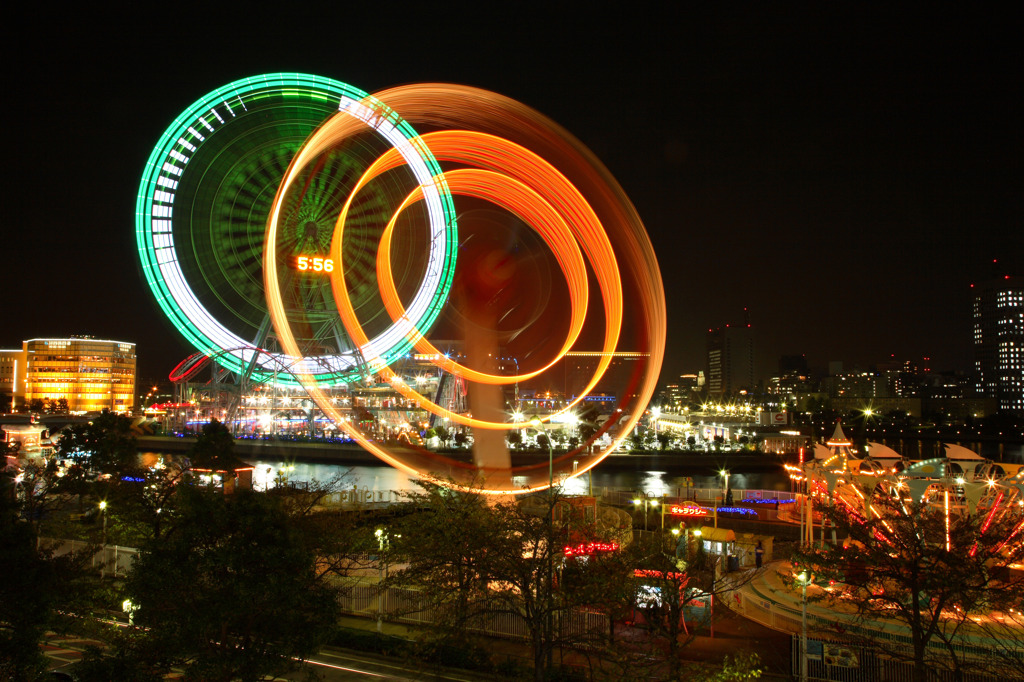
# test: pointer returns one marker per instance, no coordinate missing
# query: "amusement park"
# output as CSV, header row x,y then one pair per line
x,y
378,276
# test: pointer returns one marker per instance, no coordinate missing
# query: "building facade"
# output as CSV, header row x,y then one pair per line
x,y
998,313
91,375
730,361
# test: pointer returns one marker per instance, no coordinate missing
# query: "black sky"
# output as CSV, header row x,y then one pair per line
x,y
843,172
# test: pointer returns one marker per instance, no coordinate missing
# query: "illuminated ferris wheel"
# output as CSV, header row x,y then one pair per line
x,y
201,220
299,231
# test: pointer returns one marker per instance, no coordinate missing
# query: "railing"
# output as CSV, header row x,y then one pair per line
x,y
363,498
114,559
682,494
785,619
405,605
861,664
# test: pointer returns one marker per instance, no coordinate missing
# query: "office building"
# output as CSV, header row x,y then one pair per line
x,y
730,361
90,374
998,312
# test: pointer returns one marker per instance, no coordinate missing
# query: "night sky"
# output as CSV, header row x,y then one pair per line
x,y
844,173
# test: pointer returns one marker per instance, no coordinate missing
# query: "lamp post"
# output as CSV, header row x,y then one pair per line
x,y
724,473
804,579
381,540
549,624
647,502
103,562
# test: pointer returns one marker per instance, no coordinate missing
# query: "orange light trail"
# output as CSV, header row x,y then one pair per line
x,y
570,215
534,203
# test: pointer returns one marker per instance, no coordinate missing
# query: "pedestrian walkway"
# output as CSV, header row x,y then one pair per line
x,y
62,650
770,597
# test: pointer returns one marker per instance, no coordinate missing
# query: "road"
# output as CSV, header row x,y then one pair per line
x,y
331,665
338,665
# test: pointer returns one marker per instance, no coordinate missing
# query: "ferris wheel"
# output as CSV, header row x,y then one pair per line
x,y
202,212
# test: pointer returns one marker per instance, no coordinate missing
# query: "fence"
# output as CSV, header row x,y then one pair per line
x,y
626,497
873,666
411,607
363,498
112,559
843,662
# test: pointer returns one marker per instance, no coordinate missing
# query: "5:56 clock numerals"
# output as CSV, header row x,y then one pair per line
x,y
314,263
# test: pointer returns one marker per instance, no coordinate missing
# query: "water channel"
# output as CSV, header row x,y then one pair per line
x,y
615,473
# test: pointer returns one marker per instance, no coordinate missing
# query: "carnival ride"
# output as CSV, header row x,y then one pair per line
x,y
960,484
303,236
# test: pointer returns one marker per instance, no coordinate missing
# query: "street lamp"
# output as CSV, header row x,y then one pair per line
x,y
382,538
103,563
647,502
724,473
804,578
549,624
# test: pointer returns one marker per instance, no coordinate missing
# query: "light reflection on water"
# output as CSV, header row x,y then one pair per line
x,y
266,472
654,483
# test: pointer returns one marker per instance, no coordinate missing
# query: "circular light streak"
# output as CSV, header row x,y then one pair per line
x,y
432,293
515,175
512,193
501,152
168,172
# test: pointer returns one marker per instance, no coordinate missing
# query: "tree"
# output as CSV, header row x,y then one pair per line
x,y
475,559
214,448
105,445
230,591
35,589
669,583
445,539
901,565
638,440
521,569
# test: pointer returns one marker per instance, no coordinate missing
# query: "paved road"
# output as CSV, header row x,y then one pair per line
x,y
332,665
337,665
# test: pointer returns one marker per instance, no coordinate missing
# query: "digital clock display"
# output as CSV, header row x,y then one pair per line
x,y
314,264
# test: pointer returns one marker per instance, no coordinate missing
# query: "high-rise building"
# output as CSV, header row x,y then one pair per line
x,y
730,367
999,341
90,374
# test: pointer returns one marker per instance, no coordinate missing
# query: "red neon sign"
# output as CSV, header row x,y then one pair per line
x,y
646,573
588,548
687,510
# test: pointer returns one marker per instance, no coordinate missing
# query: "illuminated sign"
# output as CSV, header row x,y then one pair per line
x,y
588,548
645,573
688,510
314,263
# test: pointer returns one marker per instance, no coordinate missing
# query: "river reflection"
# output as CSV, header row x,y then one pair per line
x,y
269,472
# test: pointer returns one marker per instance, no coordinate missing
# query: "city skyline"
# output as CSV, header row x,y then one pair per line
x,y
843,175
